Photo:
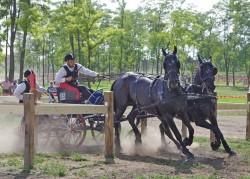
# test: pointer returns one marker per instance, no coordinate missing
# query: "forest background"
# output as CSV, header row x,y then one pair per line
x,y
37,34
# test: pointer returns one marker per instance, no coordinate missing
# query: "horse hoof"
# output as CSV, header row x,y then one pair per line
x,y
186,142
190,156
215,145
232,153
138,142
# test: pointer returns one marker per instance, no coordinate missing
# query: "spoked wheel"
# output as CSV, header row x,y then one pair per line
x,y
70,130
44,129
22,129
97,128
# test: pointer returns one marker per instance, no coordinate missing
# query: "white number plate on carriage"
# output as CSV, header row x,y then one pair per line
x,y
62,96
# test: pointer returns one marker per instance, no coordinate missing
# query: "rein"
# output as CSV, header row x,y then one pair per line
x,y
184,96
181,96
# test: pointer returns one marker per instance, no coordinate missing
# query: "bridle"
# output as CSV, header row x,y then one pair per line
x,y
172,71
204,80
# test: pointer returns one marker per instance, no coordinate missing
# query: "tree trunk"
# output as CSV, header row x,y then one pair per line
x,y
22,55
89,65
43,59
233,76
226,68
12,40
71,38
79,47
6,54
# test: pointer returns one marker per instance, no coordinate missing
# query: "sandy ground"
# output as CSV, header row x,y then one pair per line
x,y
150,161
231,127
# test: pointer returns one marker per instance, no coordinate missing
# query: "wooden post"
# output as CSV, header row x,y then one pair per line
x,y
109,125
248,117
33,90
212,135
29,115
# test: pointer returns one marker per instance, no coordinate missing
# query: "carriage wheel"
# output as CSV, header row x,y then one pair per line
x,y
70,130
97,130
43,128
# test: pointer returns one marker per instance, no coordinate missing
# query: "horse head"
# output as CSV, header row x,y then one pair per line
x,y
207,72
171,65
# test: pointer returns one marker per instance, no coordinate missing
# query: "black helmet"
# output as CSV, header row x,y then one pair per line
x,y
69,57
28,72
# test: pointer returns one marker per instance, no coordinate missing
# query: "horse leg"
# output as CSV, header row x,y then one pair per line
x,y
118,115
164,128
171,124
131,119
219,136
186,121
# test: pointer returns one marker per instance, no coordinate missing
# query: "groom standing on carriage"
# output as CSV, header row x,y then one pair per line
x,y
68,74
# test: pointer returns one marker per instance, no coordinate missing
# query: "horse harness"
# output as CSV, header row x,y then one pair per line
x,y
162,98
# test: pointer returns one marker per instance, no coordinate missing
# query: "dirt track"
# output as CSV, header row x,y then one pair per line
x,y
230,126
146,162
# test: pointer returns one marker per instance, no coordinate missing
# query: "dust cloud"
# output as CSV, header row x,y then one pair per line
x,y
11,141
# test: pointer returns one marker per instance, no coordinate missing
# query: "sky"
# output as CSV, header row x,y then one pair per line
x,y
201,5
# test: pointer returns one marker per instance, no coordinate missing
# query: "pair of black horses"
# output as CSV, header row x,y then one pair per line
x,y
165,98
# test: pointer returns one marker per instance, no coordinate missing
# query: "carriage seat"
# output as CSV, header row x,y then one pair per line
x,y
68,94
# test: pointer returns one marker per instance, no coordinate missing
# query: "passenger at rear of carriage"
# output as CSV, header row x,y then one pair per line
x,y
6,86
52,90
24,86
68,73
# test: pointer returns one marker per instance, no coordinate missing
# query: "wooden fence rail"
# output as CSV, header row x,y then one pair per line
x,y
29,109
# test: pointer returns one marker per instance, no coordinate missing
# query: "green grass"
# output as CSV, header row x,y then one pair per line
x,y
54,168
103,84
232,100
231,90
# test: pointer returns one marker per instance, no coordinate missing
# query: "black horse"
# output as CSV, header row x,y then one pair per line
x,y
159,97
202,103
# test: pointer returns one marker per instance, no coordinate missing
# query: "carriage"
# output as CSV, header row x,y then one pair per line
x,y
70,130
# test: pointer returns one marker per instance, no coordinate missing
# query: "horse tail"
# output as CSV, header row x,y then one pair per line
x,y
112,86
112,89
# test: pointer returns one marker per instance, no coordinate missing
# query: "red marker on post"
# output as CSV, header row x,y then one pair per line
x,y
33,84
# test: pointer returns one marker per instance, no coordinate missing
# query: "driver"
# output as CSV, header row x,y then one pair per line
x,y
69,72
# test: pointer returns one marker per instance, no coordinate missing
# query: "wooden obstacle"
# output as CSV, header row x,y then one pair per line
x,y
248,117
29,109
9,105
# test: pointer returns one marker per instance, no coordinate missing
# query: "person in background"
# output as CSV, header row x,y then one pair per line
x,y
6,87
24,86
52,90
69,74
